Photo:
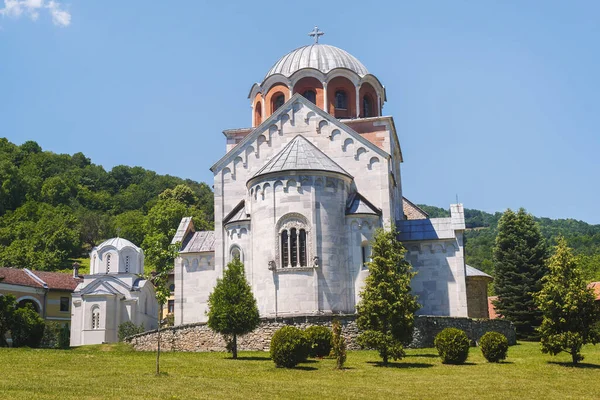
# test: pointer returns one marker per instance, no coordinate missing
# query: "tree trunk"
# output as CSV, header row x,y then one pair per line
x,y
385,358
574,356
234,347
158,340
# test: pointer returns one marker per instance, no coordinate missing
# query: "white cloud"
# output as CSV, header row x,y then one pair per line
x,y
32,8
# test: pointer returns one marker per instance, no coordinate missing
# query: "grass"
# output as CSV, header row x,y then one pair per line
x,y
117,372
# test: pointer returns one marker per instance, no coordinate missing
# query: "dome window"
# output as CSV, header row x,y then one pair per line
x,y
341,100
367,107
310,95
108,263
278,101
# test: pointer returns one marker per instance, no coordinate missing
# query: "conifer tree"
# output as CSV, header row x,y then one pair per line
x,y
520,254
570,315
386,309
232,306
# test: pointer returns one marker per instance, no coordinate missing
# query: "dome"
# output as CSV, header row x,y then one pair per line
x,y
318,56
118,243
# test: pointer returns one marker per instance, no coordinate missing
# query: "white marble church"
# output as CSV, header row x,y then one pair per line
x,y
112,293
299,195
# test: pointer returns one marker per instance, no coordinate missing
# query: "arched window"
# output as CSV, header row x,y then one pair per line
x,y
235,252
108,263
366,254
258,114
278,101
126,264
341,100
310,96
96,318
367,107
293,240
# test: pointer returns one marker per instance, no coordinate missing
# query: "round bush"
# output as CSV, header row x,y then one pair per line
x,y
494,346
319,339
289,347
453,346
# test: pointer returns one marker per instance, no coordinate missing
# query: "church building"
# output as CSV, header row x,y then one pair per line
x,y
300,193
112,293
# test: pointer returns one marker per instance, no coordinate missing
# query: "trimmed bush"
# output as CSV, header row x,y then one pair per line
x,y
28,327
319,339
128,328
494,346
452,345
338,344
289,347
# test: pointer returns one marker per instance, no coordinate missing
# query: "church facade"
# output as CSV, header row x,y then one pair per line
x,y
299,195
111,294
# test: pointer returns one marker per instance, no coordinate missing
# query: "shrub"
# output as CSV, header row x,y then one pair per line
x,y
338,343
452,345
289,347
494,346
64,337
56,336
319,339
28,327
128,328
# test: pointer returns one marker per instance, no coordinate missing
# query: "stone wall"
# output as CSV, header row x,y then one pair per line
x,y
198,337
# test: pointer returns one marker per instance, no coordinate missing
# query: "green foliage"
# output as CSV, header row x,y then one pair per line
x,y
338,344
387,306
520,254
8,305
289,347
56,335
570,315
319,338
27,328
452,345
55,207
128,328
494,346
232,308
64,337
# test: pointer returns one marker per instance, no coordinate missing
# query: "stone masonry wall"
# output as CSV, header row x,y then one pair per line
x,y
198,337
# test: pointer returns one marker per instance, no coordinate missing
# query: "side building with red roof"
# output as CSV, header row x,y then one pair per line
x,y
48,292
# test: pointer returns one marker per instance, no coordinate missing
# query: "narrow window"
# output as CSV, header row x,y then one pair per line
x,y
127,264
310,96
64,304
294,247
341,100
366,255
95,318
171,306
284,249
367,107
236,253
258,114
302,248
108,263
278,101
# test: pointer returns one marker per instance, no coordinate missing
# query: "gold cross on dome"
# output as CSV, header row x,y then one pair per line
x,y
315,33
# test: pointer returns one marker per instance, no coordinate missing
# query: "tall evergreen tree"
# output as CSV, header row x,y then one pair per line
x,y
571,316
232,306
387,307
520,254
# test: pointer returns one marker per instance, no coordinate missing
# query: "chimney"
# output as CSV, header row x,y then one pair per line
x,y
76,270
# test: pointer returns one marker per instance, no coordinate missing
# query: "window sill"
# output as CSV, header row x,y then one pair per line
x,y
293,269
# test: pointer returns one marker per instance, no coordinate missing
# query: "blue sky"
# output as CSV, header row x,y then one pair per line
x,y
494,101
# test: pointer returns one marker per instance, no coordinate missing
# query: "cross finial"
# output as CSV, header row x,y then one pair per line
x,y
315,33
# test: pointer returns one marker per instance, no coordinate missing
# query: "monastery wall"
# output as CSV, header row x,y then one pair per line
x,y
198,337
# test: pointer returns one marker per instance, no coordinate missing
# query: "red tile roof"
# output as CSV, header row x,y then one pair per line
x,y
596,287
51,280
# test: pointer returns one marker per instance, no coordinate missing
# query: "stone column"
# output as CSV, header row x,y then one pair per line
x,y
357,101
325,100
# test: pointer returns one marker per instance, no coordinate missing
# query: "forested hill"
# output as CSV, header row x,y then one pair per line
x,y
482,228
55,207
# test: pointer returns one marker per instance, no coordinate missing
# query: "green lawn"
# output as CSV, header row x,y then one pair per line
x,y
116,372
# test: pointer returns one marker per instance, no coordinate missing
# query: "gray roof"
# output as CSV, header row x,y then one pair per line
x,y
475,272
318,56
237,214
300,155
182,229
357,204
198,242
118,243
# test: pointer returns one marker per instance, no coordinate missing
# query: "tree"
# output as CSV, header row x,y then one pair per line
x,y
338,344
570,315
27,328
386,309
520,253
232,306
7,310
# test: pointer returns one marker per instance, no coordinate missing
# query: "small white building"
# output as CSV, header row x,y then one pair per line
x,y
113,293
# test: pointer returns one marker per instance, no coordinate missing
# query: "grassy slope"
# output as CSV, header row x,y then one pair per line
x,y
105,372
